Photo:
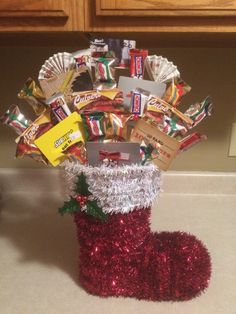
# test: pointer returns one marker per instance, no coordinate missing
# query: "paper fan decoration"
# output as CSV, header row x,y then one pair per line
x,y
54,72
160,69
59,63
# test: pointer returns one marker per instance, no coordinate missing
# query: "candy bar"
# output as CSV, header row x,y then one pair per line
x,y
157,105
138,101
96,100
137,62
15,119
59,106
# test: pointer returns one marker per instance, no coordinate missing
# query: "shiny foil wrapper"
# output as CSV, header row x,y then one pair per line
x,y
33,95
15,119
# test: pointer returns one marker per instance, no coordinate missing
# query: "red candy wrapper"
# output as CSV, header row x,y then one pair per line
x,y
15,119
191,140
138,57
30,150
77,152
96,100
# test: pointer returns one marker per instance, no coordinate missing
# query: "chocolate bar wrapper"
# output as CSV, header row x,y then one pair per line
x,y
59,106
99,100
138,101
137,60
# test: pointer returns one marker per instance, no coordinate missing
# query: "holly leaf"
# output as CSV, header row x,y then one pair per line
x,y
71,207
94,210
82,186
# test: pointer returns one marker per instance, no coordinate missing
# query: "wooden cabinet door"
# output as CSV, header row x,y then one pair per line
x,y
166,7
41,15
161,16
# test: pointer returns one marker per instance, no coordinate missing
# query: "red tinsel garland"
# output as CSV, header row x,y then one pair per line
x,y
122,257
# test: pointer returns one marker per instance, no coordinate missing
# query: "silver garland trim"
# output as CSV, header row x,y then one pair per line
x,y
120,189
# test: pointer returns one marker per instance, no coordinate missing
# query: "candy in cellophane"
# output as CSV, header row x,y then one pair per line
x,y
15,119
94,125
104,73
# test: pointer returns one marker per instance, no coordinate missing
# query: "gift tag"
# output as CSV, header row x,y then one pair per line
x,y
163,148
113,153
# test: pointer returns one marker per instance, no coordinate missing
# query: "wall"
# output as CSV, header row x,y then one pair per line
x,y
207,70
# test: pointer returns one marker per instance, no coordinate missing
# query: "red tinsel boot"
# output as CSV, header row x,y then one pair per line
x,y
121,256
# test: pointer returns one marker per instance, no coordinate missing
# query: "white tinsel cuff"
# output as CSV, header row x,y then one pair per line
x,y
120,189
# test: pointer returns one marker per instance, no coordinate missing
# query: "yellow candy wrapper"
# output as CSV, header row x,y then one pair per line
x,y
66,133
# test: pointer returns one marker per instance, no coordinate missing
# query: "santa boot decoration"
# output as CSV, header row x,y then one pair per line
x,y
119,255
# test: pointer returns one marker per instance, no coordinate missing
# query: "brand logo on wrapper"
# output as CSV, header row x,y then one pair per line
x,y
63,139
139,65
153,103
85,98
59,138
136,103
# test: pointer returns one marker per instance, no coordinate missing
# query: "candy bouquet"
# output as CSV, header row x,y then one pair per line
x,y
113,137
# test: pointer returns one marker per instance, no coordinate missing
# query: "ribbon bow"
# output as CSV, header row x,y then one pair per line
x,y
103,154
